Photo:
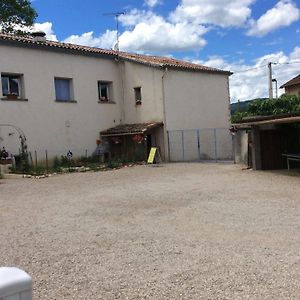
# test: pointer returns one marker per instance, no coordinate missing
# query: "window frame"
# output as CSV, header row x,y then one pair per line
x,y
138,92
109,98
20,86
71,92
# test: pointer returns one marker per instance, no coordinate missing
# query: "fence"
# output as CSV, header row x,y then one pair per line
x,y
45,158
209,144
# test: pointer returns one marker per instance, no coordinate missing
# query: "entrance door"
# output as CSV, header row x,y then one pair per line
x,y
272,145
149,143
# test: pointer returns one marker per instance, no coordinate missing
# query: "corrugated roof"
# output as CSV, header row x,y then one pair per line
x,y
127,129
273,119
295,80
155,61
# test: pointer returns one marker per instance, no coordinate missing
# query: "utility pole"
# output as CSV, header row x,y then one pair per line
x,y
270,81
116,15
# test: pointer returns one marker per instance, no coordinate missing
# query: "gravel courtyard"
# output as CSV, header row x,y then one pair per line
x,y
178,231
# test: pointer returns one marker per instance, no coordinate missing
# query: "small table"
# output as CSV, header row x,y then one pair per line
x,y
291,156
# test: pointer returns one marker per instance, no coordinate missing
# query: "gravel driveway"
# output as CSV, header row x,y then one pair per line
x,y
179,231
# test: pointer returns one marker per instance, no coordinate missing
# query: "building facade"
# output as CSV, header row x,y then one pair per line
x,y
61,96
292,87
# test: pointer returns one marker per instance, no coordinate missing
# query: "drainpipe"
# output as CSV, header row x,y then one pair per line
x,y
122,75
166,146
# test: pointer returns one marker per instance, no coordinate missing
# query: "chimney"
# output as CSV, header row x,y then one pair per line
x,y
39,36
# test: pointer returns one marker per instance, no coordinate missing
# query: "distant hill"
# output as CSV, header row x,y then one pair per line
x,y
242,106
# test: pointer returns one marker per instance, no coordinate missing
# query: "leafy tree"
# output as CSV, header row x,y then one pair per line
x,y
260,107
16,16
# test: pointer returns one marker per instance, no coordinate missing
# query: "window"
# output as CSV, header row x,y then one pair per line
x,y
11,86
138,95
63,89
104,91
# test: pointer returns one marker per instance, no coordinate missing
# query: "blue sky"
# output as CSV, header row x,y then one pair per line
x,y
236,35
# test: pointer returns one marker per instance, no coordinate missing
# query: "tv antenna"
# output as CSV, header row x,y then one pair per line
x,y
116,15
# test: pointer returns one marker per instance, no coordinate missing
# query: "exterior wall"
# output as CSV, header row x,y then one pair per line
x,y
181,99
256,149
151,109
51,125
149,79
293,90
196,100
241,147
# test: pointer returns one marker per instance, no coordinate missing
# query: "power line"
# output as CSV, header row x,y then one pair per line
x,y
251,69
287,63
262,66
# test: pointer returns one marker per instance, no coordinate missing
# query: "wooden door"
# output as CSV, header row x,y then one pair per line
x,y
272,144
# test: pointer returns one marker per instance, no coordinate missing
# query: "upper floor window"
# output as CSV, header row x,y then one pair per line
x,y
138,95
104,91
63,89
11,86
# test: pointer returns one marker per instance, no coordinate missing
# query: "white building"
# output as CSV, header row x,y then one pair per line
x,y
63,95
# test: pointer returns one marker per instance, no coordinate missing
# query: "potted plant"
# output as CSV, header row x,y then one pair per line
x,y
12,96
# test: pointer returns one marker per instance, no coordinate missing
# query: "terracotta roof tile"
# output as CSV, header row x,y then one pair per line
x,y
139,128
295,80
155,61
168,62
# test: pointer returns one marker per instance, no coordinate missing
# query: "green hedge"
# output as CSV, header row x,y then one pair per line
x,y
284,104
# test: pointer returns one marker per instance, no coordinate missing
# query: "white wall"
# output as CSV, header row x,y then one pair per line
x,y
52,125
149,79
293,90
195,100
241,147
192,100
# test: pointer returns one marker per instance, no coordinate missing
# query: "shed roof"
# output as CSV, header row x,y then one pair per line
x,y
273,119
127,129
295,80
154,61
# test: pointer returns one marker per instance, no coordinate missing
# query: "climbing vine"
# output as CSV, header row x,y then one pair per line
x,y
268,107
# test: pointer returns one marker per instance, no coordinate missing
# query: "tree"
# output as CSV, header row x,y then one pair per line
x,y
16,16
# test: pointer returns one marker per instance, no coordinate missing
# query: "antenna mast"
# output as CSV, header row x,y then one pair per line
x,y
116,15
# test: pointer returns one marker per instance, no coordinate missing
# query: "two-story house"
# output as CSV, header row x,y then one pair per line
x,y
63,95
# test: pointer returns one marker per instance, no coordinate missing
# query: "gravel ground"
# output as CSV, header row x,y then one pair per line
x,y
179,231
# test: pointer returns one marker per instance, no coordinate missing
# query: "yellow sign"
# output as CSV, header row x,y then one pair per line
x,y
152,155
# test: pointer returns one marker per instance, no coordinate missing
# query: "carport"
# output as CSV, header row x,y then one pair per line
x,y
273,142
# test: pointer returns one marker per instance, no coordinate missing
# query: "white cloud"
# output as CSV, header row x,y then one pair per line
x,y
152,3
251,80
156,34
47,28
147,32
136,16
106,40
222,13
284,13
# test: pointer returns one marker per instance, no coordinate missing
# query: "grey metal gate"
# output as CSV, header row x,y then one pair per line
x,y
205,144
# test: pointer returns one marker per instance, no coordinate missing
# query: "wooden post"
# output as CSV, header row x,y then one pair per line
x,y
35,158
47,166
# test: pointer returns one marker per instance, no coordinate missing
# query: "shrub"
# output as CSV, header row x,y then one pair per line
x,y
282,105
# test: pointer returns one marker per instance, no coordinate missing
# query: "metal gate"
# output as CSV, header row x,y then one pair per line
x,y
209,144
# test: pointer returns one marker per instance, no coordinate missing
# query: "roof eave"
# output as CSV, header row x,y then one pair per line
x,y
62,47
183,68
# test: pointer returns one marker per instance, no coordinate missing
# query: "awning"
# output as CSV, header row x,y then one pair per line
x,y
129,129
